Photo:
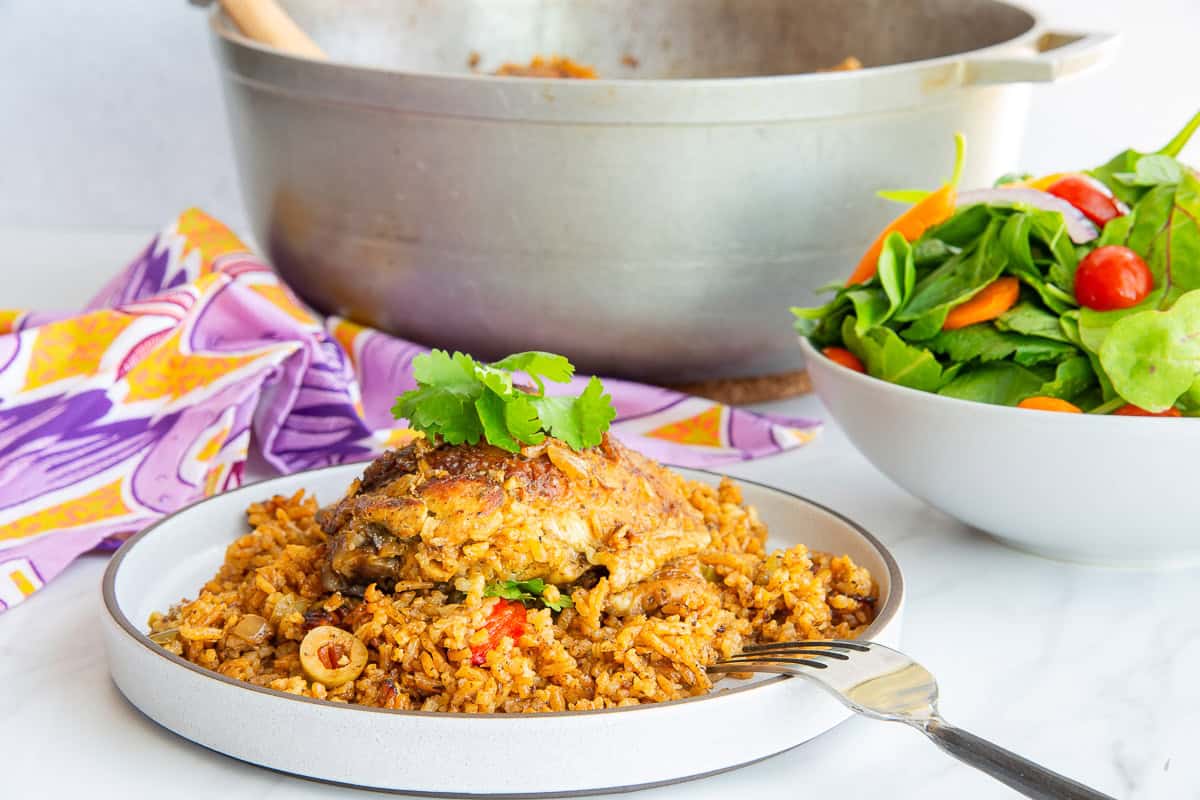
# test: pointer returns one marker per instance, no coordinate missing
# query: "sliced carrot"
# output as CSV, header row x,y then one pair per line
x,y
936,208
1049,404
992,300
1130,410
841,355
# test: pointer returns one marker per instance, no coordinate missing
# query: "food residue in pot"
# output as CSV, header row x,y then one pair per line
x,y
563,67
553,67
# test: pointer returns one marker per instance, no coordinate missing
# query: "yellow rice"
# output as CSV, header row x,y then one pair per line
x,y
585,657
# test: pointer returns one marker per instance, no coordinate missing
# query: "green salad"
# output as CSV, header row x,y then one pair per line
x,y
1072,292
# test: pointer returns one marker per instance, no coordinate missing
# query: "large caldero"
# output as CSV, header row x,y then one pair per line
x,y
655,224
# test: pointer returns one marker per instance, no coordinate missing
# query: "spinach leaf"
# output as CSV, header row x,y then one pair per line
x,y
985,343
1011,177
1000,383
1127,162
928,252
808,320
951,371
1047,227
1106,388
832,286
1072,378
928,325
1051,229
1014,238
827,330
1006,383
1152,170
1149,221
870,307
1117,231
1152,357
808,326
964,227
1165,231
811,320
868,302
890,358
897,272
1055,299
1027,318
1178,259
1069,323
872,302
960,278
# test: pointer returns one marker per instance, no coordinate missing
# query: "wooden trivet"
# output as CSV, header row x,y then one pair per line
x,y
743,391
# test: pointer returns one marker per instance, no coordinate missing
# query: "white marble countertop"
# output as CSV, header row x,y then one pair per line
x,y
1084,669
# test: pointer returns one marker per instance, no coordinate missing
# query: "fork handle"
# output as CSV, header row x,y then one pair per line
x,y
1005,766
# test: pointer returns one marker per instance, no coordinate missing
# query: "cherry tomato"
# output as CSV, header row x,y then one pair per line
x,y
1040,403
841,355
1112,277
507,619
1130,410
1087,197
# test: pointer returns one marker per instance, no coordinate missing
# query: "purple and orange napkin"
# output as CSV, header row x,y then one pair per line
x,y
154,395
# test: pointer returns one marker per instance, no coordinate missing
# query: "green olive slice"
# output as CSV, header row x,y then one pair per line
x,y
332,656
165,636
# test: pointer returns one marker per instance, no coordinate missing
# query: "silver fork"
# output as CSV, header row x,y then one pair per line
x,y
881,683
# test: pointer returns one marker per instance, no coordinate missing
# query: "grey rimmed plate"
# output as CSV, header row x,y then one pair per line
x,y
458,754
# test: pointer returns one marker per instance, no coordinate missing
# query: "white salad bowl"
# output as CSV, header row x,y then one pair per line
x,y
459,754
1117,491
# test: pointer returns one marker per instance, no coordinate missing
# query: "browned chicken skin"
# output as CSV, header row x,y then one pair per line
x,y
436,513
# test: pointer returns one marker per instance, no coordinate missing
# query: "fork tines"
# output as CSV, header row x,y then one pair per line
x,y
805,653
830,646
744,662
772,657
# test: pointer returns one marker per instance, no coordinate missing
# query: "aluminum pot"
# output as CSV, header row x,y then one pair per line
x,y
654,224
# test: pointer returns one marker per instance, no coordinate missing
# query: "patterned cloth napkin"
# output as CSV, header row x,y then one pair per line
x,y
196,354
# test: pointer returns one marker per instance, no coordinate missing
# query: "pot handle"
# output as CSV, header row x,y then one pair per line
x,y
1058,55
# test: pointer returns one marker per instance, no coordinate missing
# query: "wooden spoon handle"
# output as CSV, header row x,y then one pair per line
x,y
264,21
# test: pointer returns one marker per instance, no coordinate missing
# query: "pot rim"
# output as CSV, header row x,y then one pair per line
x,y
616,101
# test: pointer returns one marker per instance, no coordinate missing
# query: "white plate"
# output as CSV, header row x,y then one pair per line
x,y
458,754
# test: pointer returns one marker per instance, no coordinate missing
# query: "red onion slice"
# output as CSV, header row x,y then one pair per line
x,y
1079,228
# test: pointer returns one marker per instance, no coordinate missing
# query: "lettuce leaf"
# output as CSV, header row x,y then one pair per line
x,y
1153,357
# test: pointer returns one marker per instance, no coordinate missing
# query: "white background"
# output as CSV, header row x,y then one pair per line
x,y
111,114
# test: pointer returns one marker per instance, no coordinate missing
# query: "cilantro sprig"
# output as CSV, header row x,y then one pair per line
x,y
527,592
463,400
